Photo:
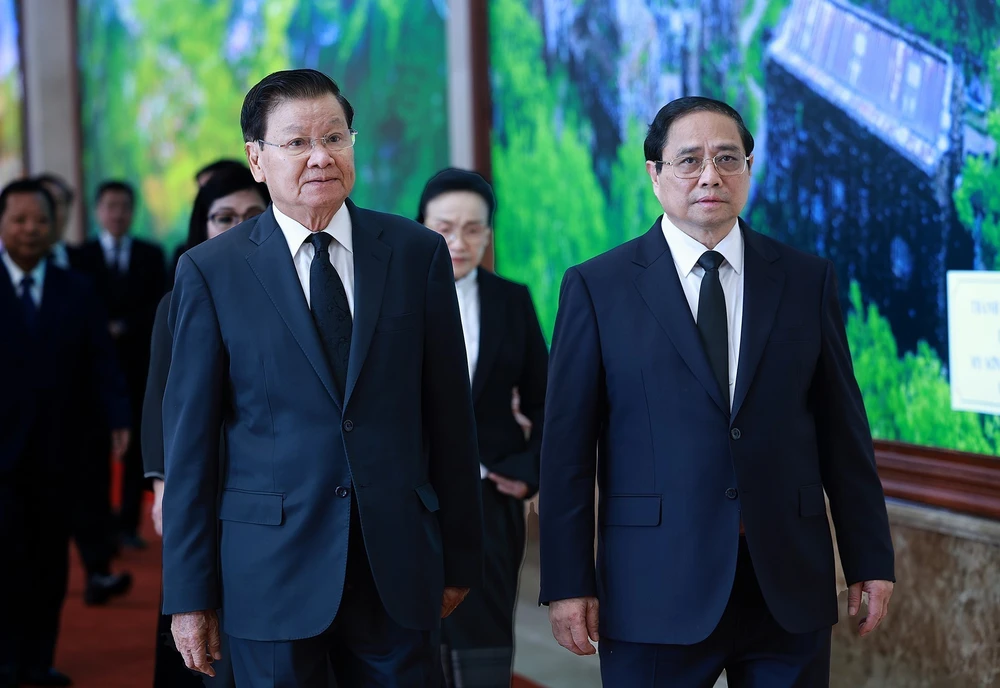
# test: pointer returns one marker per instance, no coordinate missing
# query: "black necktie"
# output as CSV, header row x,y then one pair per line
x,y
330,309
28,302
712,323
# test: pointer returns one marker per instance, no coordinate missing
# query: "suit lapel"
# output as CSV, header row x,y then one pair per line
x,y
660,288
492,315
762,285
272,264
371,266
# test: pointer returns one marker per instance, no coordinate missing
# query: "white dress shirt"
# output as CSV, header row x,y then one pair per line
x,y
341,249
17,274
686,252
124,255
468,307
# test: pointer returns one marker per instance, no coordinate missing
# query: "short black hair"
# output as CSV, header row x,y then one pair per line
x,y
114,185
656,135
276,88
58,182
220,166
221,184
28,186
454,179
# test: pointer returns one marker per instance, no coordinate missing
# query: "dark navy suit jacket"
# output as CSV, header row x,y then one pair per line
x,y
48,374
632,401
247,358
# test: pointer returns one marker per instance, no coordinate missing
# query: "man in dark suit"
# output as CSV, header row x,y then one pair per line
x,y
702,373
93,529
130,276
322,339
55,353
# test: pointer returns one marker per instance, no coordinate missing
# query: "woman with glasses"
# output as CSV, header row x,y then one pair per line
x,y
505,353
227,199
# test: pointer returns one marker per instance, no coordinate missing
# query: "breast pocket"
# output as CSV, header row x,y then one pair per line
x,y
397,323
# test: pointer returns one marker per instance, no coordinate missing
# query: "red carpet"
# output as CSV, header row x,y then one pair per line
x,y
112,646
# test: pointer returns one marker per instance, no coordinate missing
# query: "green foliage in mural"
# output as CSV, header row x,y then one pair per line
x,y
977,199
907,397
163,82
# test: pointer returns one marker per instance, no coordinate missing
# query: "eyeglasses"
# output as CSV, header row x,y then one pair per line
x,y
226,219
691,166
471,233
297,147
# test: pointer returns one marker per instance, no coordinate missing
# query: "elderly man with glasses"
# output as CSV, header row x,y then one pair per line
x,y
321,340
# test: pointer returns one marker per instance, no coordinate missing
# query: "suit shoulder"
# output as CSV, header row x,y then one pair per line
x,y
228,243
399,228
609,262
785,252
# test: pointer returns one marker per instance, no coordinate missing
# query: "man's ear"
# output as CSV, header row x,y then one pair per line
x,y
253,159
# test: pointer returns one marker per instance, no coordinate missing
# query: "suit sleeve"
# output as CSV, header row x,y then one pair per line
x,y
531,384
450,424
106,373
192,417
573,419
156,382
846,453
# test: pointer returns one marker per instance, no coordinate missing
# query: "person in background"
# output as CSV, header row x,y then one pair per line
x,y
93,527
230,197
55,353
130,276
202,177
701,375
505,351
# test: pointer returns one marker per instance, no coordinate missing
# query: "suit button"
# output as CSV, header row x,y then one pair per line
x,y
348,425
731,493
342,491
735,433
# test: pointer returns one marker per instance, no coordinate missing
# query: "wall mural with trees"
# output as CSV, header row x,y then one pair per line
x,y
163,81
877,124
11,96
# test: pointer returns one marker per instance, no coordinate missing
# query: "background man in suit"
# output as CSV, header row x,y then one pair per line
x,y
92,525
55,354
506,350
706,367
322,339
130,276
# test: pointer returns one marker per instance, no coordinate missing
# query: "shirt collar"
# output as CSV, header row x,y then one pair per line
x,y
686,250
468,281
108,241
17,274
340,228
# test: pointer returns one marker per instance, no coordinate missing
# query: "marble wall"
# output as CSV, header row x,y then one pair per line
x,y
943,628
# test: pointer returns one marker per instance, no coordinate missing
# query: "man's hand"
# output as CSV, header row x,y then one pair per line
x,y
120,439
522,420
196,635
879,592
157,509
573,622
452,598
514,488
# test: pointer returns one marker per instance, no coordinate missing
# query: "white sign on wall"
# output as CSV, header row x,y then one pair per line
x,y
974,340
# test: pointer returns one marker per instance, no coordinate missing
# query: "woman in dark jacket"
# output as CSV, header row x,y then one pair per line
x,y
229,198
506,355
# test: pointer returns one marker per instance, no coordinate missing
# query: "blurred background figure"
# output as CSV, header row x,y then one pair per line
x,y
92,525
55,354
202,176
230,197
506,352
130,277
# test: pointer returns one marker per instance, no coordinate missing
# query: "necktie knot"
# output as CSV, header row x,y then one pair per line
x,y
711,260
320,241
27,282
